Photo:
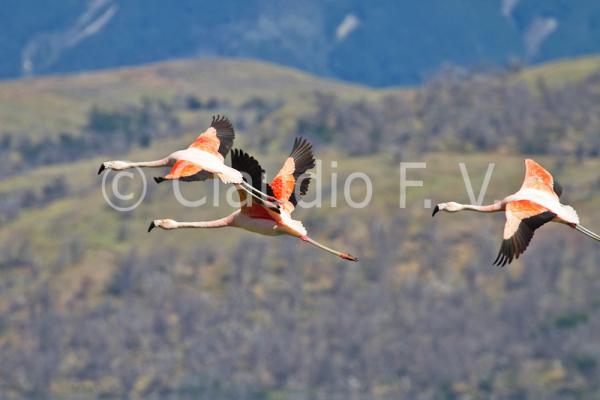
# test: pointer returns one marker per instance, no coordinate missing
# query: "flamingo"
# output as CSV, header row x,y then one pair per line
x,y
535,204
255,216
203,159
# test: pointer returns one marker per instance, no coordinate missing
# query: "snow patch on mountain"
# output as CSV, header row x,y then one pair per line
x,y
347,26
537,32
45,49
507,7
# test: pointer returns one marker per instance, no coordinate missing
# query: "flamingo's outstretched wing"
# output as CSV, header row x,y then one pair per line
x,y
252,172
185,171
537,177
218,138
522,219
558,189
301,159
249,167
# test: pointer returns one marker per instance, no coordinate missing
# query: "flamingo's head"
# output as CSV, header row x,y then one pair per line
x,y
163,224
448,207
114,165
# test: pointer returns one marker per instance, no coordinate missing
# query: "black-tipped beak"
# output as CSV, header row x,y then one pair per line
x,y
435,210
348,257
102,168
152,226
158,179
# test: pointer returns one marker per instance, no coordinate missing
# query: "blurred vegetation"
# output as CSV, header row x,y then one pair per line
x,y
93,306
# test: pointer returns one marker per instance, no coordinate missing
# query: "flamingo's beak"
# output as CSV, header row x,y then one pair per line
x,y
159,179
152,226
102,168
348,257
435,210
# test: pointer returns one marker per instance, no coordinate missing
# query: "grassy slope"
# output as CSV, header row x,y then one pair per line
x,y
59,103
563,71
53,104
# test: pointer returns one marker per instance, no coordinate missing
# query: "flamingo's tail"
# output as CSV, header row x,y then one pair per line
x,y
230,175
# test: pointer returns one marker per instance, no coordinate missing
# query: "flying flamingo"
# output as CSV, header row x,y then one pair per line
x,y
254,216
535,204
203,159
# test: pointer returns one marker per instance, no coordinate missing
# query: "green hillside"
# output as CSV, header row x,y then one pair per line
x,y
93,305
560,72
56,104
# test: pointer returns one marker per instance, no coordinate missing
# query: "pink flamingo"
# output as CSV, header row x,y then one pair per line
x,y
255,216
535,204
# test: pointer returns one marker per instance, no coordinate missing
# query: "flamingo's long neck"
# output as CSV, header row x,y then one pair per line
x,y
217,223
147,164
496,207
343,255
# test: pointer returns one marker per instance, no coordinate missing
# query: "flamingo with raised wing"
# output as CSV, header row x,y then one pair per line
x,y
203,159
535,204
255,216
